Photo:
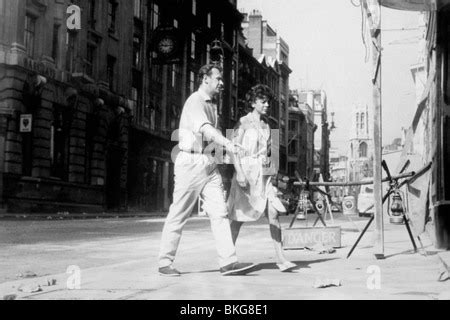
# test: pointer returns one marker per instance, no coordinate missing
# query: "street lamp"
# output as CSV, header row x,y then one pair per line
x,y
216,52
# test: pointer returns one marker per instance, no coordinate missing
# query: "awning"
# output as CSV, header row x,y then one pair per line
x,y
410,5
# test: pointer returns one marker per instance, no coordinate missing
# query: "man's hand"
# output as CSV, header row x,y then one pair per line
x,y
235,148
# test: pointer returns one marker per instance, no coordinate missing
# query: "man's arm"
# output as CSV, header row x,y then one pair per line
x,y
212,134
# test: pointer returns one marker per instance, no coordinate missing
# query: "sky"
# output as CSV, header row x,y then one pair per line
x,y
327,52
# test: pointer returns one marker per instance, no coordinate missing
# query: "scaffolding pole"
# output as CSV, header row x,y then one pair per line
x,y
373,12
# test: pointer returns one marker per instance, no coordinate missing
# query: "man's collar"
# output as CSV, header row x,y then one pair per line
x,y
204,95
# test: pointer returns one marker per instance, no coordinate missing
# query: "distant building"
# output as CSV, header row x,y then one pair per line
x,y
317,100
301,138
360,157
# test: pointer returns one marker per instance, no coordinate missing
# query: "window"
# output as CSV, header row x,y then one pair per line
x,y
55,44
233,108
363,150
173,75
30,34
175,23
192,82
59,142
208,53
233,72
208,20
137,9
193,45
112,15
292,168
92,14
362,120
155,16
137,51
176,76
357,121
293,125
222,29
90,60
70,53
136,95
194,7
157,73
110,66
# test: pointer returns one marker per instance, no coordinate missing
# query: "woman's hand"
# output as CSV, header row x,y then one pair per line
x,y
241,180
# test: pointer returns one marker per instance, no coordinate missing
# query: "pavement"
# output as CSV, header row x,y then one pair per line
x,y
116,259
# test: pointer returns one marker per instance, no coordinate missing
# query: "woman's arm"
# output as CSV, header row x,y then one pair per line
x,y
236,158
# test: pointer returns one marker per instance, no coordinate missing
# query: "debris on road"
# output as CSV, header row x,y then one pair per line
x,y
26,275
30,288
321,249
326,283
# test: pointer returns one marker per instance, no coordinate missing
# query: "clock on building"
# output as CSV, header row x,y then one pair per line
x,y
166,45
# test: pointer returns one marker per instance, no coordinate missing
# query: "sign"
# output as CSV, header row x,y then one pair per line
x,y
26,121
349,205
39,67
74,20
299,238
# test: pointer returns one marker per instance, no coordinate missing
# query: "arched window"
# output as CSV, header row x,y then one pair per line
x,y
362,121
363,150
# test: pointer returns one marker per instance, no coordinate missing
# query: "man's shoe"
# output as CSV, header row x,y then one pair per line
x,y
236,268
169,271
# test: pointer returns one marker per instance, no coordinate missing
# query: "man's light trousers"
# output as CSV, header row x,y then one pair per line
x,y
195,175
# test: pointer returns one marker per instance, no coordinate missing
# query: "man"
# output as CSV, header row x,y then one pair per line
x,y
196,175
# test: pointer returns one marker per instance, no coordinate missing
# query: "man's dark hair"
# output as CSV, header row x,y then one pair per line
x,y
206,70
259,91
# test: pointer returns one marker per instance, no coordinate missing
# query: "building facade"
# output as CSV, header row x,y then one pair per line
x,y
162,88
360,157
88,112
300,137
271,50
66,134
317,100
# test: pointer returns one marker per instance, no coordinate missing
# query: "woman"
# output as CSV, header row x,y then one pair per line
x,y
252,193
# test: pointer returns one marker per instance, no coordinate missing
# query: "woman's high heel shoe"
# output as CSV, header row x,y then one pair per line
x,y
286,266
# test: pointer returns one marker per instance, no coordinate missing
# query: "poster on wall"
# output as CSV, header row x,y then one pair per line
x,y
26,122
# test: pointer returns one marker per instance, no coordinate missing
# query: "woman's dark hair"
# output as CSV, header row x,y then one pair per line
x,y
206,70
259,91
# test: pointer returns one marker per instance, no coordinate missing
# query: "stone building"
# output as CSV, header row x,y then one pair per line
x,y
66,135
160,89
87,114
360,159
301,137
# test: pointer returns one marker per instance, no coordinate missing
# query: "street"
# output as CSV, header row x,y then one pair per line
x,y
117,259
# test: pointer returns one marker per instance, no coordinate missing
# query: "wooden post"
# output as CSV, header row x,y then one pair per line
x,y
375,31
